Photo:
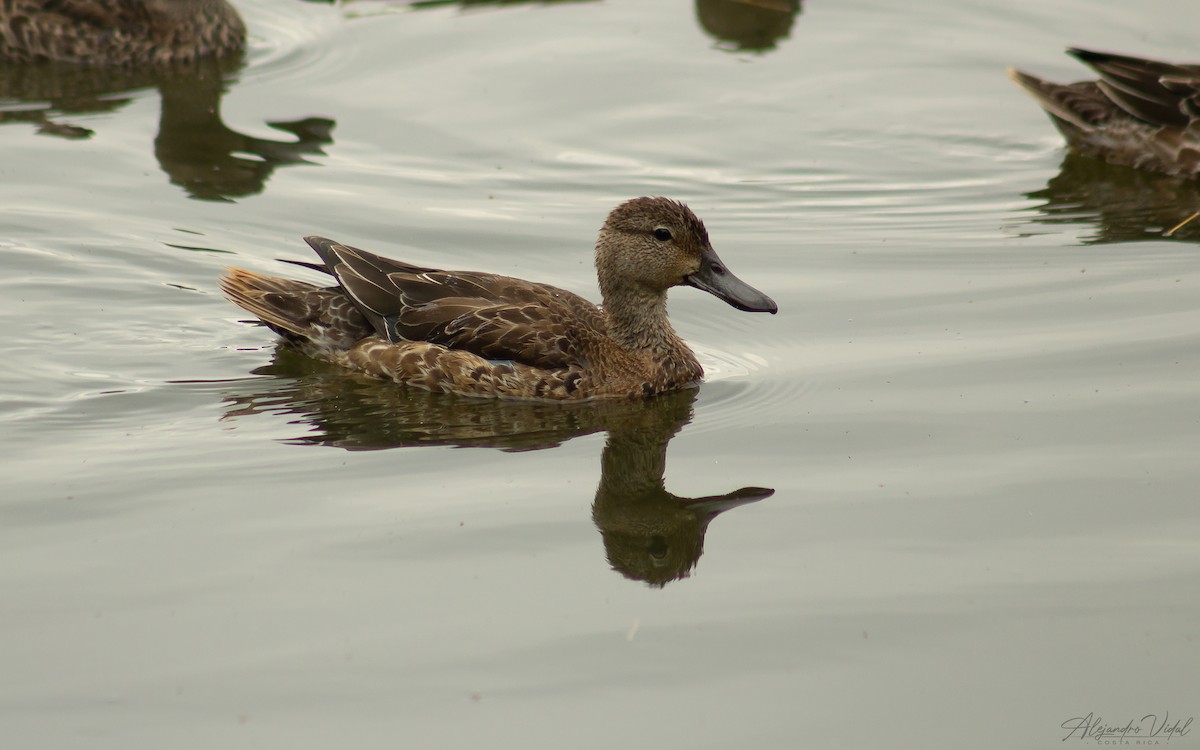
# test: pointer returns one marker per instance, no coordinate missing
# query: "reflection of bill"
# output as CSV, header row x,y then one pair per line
x,y
1149,727
649,534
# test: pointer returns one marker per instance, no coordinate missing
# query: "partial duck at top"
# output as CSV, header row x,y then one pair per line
x,y
482,334
1141,113
119,32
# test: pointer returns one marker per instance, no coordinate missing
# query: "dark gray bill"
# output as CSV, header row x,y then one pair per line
x,y
714,278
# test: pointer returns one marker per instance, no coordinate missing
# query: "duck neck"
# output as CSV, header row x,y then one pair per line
x,y
637,320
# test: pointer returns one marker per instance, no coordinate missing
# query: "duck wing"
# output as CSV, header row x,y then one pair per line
x,y
496,317
1156,92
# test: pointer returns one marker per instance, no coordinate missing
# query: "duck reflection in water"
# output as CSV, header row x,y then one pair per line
x,y
649,534
747,25
62,59
1121,204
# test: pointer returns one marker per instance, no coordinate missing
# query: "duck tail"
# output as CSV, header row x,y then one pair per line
x,y
1073,105
304,314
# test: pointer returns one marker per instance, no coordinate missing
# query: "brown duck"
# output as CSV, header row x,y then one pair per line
x,y
481,334
1141,113
119,32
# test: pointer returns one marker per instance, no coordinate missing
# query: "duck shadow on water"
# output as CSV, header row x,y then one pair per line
x,y
194,147
1120,203
649,534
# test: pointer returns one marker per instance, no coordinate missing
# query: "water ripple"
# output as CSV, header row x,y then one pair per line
x,y
288,40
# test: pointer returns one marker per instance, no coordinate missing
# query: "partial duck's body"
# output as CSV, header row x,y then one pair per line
x,y
480,334
119,32
1141,113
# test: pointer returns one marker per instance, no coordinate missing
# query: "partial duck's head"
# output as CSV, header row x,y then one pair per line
x,y
649,245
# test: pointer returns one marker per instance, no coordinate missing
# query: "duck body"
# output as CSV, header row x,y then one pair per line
x,y
482,334
1141,113
119,32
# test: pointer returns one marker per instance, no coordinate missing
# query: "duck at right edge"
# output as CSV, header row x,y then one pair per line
x,y
1141,113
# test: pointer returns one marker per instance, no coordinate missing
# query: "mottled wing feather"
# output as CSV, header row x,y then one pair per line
x,y
517,332
496,317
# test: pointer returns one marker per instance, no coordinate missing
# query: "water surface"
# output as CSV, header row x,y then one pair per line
x,y
946,498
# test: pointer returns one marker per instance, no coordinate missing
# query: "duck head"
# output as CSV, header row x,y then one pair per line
x,y
648,245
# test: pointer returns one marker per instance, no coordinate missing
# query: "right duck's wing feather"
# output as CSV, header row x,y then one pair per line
x,y
1155,92
497,317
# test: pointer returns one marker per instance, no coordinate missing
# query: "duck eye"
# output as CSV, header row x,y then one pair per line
x,y
662,233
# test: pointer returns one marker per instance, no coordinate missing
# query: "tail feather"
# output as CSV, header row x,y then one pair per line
x,y
305,314
1081,105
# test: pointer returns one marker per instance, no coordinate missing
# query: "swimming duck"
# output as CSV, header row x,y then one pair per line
x,y
1141,113
119,32
481,334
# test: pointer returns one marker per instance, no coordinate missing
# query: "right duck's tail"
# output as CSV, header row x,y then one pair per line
x,y
306,315
1078,106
